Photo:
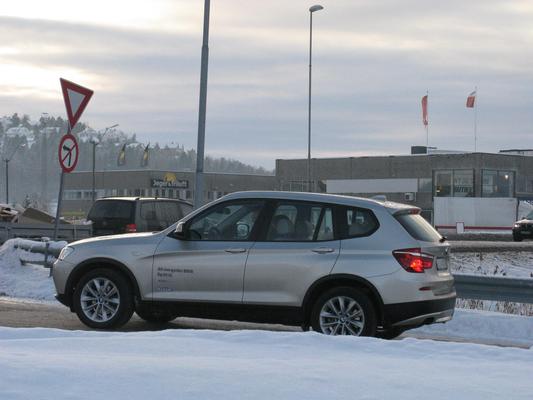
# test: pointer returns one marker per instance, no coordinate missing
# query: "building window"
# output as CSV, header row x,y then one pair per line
x,y
498,183
454,183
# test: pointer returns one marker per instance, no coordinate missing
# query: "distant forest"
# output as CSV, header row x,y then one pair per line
x,y
34,172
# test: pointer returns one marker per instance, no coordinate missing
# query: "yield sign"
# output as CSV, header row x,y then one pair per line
x,y
76,99
68,153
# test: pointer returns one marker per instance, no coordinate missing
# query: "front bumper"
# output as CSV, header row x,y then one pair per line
x,y
420,312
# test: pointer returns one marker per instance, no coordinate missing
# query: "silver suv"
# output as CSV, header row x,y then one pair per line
x,y
341,265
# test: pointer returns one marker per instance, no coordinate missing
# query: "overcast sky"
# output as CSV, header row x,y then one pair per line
x,y
372,63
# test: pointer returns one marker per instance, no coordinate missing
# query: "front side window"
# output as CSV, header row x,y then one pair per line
x,y
226,222
300,222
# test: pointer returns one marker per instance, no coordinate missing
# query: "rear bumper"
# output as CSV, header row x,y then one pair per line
x,y
420,312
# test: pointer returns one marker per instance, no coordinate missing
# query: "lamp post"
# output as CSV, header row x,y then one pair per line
x,y
95,143
312,9
7,160
199,176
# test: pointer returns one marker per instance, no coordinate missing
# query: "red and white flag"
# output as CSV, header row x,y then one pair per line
x,y
471,99
425,119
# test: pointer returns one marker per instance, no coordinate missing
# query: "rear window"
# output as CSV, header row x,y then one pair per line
x,y
111,209
418,227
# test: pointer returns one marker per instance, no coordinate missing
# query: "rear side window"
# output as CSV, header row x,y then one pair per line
x,y
418,227
357,222
300,222
111,209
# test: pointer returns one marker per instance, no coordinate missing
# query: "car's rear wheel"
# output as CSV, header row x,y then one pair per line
x,y
154,316
344,311
103,299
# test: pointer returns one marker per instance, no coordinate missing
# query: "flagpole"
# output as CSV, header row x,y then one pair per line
x,y
475,120
427,125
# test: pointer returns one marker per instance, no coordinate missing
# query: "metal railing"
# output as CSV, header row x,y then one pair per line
x,y
481,287
68,232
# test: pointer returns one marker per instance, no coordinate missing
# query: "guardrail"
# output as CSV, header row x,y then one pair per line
x,y
483,287
68,232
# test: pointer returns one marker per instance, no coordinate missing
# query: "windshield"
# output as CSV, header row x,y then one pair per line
x,y
419,228
530,215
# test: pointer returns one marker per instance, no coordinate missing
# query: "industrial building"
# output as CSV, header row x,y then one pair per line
x,y
420,179
415,179
77,197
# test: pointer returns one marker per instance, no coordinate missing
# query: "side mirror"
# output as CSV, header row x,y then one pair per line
x,y
179,232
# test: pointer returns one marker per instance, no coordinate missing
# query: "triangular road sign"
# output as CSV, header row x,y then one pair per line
x,y
76,99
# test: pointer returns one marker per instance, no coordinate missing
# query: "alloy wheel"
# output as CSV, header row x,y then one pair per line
x,y
342,315
100,299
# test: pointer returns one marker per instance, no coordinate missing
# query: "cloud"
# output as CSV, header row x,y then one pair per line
x,y
372,62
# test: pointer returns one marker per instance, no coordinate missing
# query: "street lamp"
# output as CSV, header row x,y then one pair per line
x,y
7,160
95,143
312,9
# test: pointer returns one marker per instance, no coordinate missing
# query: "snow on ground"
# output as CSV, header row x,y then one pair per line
x,y
481,326
192,364
24,281
506,263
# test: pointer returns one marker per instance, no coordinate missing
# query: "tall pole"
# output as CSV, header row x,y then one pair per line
x,y
7,181
199,176
311,11
475,120
427,125
94,171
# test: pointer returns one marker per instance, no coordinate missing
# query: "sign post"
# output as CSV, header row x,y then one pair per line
x,y
76,98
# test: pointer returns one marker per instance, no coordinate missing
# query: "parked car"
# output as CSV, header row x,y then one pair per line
x,y
341,265
523,229
115,215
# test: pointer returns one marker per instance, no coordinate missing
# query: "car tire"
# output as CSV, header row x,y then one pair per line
x,y
153,316
103,299
344,311
517,237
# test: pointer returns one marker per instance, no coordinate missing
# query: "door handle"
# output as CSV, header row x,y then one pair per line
x,y
323,250
235,250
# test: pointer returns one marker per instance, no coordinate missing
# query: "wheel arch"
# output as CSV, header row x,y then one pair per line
x,y
338,280
92,263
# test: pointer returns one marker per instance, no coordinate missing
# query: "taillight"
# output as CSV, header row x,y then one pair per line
x,y
130,228
413,260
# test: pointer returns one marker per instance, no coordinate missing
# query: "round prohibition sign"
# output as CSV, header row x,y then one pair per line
x,y
68,153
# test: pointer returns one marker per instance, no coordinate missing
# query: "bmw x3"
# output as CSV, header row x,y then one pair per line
x,y
337,264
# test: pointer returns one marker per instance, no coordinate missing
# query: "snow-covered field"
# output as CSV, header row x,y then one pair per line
x,y
191,364
40,363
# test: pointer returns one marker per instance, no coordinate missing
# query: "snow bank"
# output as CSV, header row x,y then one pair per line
x,y
481,326
191,364
24,281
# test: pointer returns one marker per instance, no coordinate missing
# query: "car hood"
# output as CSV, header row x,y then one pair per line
x,y
142,236
524,221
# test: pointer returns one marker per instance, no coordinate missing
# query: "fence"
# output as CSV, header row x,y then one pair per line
x,y
482,287
68,232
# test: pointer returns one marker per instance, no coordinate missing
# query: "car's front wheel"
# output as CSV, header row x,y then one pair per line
x,y
103,299
344,311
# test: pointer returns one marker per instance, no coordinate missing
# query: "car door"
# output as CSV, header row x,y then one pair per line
x,y
298,246
208,265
